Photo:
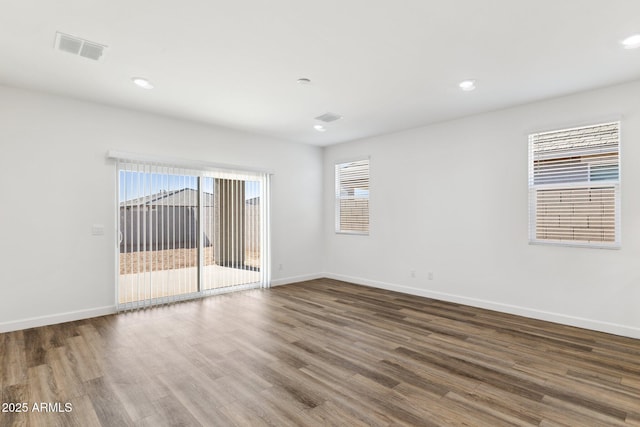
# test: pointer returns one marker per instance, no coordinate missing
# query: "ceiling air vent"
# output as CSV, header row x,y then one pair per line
x,y
78,46
329,117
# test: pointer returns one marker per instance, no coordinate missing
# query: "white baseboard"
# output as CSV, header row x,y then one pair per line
x,y
596,325
53,319
295,279
564,319
34,322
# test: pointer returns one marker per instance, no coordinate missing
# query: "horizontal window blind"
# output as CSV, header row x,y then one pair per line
x,y
352,197
184,233
574,186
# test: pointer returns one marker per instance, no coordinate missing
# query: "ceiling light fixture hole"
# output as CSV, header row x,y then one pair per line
x,y
467,85
142,82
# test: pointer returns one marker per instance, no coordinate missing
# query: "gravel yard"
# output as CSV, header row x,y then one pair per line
x,y
171,259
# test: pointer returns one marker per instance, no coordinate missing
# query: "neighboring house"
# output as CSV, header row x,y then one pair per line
x,y
165,220
168,220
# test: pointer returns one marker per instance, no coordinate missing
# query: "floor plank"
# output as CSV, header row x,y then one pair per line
x,y
321,352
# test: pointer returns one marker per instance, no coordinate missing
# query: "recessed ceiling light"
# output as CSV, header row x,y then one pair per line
x,y
142,82
467,85
303,81
631,42
319,128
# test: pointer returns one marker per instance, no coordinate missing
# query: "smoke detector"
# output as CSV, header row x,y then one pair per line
x,y
329,117
77,46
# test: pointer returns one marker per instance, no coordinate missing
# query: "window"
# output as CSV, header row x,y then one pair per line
x,y
574,186
352,197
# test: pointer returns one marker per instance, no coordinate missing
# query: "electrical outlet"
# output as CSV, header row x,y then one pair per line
x,y
430,276
280,267
413,274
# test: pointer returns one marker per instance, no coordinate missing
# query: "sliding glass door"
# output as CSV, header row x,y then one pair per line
x,y
185,233
231,232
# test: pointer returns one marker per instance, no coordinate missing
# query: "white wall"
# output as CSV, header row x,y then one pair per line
x,y
57,183
451,199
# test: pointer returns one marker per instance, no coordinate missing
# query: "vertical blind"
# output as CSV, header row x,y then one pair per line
x,y
352,197
574,185
187,232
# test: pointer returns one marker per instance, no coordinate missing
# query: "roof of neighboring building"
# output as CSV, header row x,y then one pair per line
x,y
184,197
253,201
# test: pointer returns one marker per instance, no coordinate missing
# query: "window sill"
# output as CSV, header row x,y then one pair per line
x,y
586,245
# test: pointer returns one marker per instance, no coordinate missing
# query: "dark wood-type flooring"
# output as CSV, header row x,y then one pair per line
x,y
320,353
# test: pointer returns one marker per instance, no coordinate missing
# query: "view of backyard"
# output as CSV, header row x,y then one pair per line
x,y
171,259
163,220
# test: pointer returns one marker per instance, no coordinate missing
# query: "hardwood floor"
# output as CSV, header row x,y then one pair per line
x,y
319,353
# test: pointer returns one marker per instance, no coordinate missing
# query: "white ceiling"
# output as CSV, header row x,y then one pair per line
x,y
384,65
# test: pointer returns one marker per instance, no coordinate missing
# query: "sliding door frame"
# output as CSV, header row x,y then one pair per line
x,y
200,171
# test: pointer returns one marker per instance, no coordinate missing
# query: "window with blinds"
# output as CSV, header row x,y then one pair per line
x,y
574,186
352,197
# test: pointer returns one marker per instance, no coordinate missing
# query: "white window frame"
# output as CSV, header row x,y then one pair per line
x,y
614,184
341,197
